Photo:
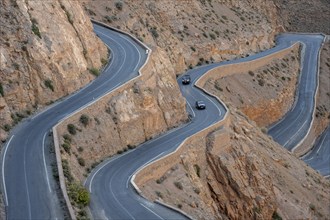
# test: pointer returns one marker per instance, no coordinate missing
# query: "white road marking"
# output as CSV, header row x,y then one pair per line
x,y
324,137
191,109
44,159
3,170
25,179
151,211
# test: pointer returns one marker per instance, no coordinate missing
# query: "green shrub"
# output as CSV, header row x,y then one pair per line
x,y
261,82
80,149
154,32
66,170
67,138
159,194
35,30
84,119
1,90
251,73
94,71
6,127
212,36
178,185
276,216
72,129
49,84
78,194
66,146
119,5
312,207
197,170
81,161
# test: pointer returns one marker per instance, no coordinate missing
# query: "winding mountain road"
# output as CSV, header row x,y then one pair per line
x,y
29,188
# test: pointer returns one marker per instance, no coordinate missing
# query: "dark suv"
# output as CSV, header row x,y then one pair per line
x,y
200,105
186,79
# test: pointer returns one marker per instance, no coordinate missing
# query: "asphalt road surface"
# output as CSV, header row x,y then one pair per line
x,y
319,156
28,186
27,183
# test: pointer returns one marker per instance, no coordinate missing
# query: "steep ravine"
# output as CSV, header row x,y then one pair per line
x,y
47,49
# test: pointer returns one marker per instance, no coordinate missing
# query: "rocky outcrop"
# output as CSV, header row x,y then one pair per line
x,y
125,118
238,172
47,48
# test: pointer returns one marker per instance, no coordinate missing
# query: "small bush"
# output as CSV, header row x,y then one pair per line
x,y
276,216
159,194
49,84
312,207
80,149
197,170
1,90
178,185
193,48
81,161
261,82
179,206
6,127
154,32
161,179
251,73
66,146
72,129
78,194
84,119
94,71
35,30
212,36
67,138
66,170
119,151
119,5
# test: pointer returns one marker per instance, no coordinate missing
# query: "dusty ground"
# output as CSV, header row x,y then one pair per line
x,y
304,15
322,113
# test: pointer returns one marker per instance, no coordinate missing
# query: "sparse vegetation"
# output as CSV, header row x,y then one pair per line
x,y
154,32
276,216
66,170
49,84
178,185
78,194
81,161
119,5
84,119
94,71
72,129
67,147
159,194
35,30
1,90
197,170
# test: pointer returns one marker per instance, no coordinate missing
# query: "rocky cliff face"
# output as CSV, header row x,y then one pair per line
x,y
193,32
238,172
125,118
47,48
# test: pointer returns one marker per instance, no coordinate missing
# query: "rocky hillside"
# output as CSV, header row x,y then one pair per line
x,y
263,93
125,118
193,32
304,15
47,48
